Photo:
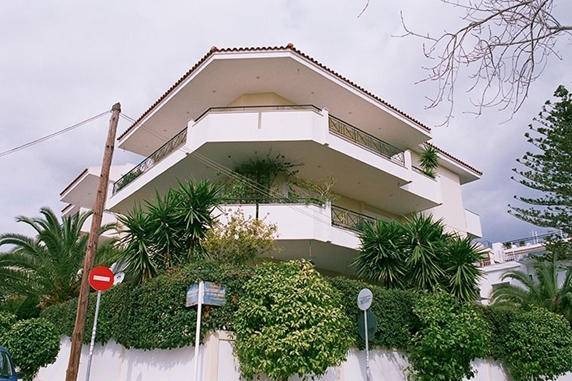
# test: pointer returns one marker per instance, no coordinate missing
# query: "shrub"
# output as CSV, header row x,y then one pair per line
x,y
290,321
33,343
452,334
538,345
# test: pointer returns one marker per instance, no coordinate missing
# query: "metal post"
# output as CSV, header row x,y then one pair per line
x,y
367,372
93,331
198,330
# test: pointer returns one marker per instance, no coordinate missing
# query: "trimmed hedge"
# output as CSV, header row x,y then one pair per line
x,y
154,316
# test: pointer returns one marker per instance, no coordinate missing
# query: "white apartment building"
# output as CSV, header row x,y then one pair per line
x,y
236,104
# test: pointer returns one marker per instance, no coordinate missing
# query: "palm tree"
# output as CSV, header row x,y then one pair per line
x,y
48,265
460,264
418,254
425,242
167,232
196,203
136,246
544,291
382,255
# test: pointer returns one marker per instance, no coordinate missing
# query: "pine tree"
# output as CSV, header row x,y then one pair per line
x,y
549,169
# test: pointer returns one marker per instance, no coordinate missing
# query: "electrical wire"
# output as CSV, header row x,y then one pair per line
x,y
43,139
236,176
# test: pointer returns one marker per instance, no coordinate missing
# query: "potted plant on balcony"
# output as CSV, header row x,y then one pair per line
x,y
429,160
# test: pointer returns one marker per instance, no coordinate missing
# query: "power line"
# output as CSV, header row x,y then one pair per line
x,y
37,141
236,176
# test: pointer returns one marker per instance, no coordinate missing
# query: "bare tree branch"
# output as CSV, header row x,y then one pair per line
x,y
505,46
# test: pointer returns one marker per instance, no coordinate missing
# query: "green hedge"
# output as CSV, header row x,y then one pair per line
x,y
393,309
154,316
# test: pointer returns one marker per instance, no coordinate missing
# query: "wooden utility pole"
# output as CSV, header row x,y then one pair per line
x,y
97,216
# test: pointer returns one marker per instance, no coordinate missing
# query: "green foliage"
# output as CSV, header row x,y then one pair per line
x,y
45,266
451,336
396,322
417,254
153,315
548,169
24,307
7,320
290,321
538,345
259,175
168,232
33,343
439,334
319,192
544,290
240,240
429,160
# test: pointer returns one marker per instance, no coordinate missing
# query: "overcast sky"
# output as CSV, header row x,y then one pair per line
x,y
63,62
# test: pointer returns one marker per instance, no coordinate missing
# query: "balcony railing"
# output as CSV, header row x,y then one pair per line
x,y
258,108
348,132
150,161
347,219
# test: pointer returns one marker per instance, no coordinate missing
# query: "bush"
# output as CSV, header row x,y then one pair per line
x,y
396,322
33,343
7,320
538,345
153,315
290,321
452,334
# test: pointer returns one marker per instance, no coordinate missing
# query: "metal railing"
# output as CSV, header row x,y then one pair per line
x,y
258,108
534,240
347,219
353,134
177,141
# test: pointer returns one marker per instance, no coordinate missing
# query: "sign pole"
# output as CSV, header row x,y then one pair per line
x,y
367,372
93,331
364,300
198,330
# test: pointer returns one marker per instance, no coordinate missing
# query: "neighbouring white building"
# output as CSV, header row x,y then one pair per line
x,y
235,104
516,255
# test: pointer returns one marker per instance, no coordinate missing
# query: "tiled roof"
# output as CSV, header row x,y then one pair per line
x,y
73,181
291,47
457,159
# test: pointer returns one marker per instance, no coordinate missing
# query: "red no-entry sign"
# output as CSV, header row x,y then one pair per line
x,y
101,278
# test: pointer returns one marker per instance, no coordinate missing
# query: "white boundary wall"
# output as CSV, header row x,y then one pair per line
x,y
112,362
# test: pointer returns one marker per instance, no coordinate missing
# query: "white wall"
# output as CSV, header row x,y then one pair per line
x,y
112,362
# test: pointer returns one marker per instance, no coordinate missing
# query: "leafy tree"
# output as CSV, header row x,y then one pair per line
x,y
504,47
548,170
49,262
240,240
452,334
33,343
543,290
290,321
418,254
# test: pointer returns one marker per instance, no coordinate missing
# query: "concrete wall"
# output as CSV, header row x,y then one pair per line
x,y
112,362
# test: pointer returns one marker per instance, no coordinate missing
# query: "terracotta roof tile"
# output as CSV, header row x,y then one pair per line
x,y
456,159
291,47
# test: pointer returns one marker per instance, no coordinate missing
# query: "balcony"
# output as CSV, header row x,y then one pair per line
x,y
348,132
164,151
365,167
